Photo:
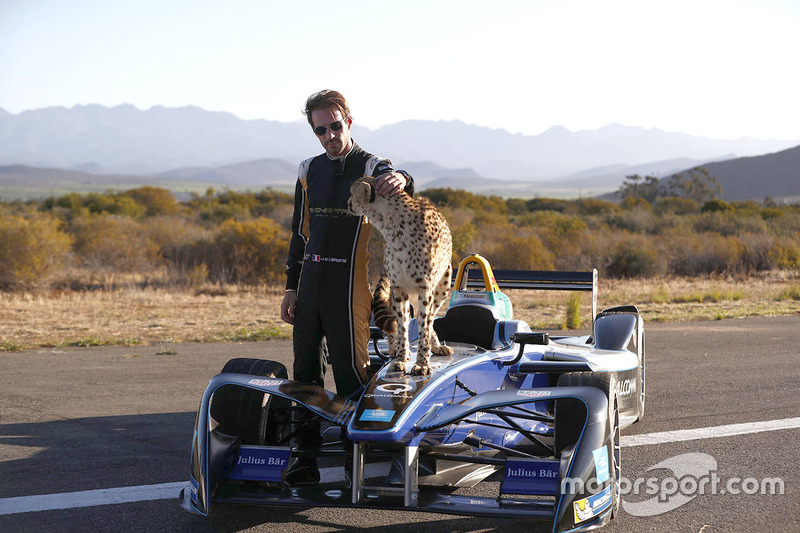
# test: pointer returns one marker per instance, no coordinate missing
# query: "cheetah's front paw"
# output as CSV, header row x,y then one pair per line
x,y
421,369
399,365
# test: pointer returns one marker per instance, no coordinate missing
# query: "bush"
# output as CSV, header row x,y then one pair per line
x,y
516,251
676,206
155,200
250,252
784,254
455,198
462,240
706,253
550,204
633,256
716,206
33,250
109,244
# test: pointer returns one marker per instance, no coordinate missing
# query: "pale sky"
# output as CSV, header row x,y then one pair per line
x,y
723,69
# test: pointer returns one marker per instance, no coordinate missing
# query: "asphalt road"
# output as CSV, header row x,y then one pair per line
x,y
99,418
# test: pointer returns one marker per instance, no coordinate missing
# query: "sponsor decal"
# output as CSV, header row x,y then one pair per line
x,y
316,258
473,296
377,415
531,476
533,393
592,506
626,387
390,390
260,463
195,486
394,388
601,463
265,382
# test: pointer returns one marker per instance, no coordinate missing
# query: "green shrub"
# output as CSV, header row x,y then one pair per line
x,y
33,250
550,204
716,206
790,293
572,319
785,254
462,240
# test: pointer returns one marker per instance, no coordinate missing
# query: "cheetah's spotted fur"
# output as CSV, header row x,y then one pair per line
x,y
417,261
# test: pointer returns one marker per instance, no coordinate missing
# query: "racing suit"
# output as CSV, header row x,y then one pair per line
x,y
327,265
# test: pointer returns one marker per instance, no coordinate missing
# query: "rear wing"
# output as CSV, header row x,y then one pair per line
x,y
487,278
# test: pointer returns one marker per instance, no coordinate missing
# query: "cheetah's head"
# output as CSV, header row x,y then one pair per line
x,y
362,196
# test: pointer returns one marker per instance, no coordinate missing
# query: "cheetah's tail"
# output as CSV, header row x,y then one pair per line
x,y
382,306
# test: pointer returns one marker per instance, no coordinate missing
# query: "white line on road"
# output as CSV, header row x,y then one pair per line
x,y
709,433
90,498
166,491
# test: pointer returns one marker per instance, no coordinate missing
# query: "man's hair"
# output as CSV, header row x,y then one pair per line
x,y
324,100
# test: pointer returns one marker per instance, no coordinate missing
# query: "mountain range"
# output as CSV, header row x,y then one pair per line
x,y
190,145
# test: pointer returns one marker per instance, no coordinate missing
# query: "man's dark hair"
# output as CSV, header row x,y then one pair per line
x,y
324,100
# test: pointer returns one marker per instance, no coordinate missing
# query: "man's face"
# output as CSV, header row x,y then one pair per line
x,y
335,143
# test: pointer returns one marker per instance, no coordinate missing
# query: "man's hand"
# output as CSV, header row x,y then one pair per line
x,y
287,307
390,183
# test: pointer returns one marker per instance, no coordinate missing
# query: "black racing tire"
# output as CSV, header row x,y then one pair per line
x,y
570,414
258,418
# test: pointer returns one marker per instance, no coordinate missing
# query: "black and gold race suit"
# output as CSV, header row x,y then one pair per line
x,y
327,264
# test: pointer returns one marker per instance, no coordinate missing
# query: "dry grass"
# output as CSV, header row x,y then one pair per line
x,y
152,315
138,316
671,299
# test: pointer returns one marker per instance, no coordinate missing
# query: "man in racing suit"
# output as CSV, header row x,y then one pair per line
x,y
327,290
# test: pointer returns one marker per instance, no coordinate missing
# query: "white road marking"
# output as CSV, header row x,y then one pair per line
x,y
729,430
166,491
90,498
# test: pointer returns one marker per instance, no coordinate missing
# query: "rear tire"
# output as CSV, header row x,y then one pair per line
x,y
258,418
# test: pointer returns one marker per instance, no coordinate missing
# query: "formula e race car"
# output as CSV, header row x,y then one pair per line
x,y
533,418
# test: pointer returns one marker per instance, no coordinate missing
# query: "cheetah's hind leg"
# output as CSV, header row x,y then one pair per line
x,y
437,348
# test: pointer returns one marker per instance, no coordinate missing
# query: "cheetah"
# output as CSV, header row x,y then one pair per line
x,y
417,262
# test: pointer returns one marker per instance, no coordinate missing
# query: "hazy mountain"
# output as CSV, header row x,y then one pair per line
x,y
24,182
125,139
613,176
557,152
260,173
774,175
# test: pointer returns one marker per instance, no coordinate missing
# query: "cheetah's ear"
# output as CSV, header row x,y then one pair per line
x,y
365,193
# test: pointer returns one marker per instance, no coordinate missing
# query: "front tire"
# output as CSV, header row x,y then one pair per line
x,y
569,417
257,418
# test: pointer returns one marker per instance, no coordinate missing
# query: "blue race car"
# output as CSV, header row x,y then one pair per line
x,y
538,413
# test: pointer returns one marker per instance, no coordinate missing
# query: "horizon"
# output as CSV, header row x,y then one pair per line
x,y
714,69
372,129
